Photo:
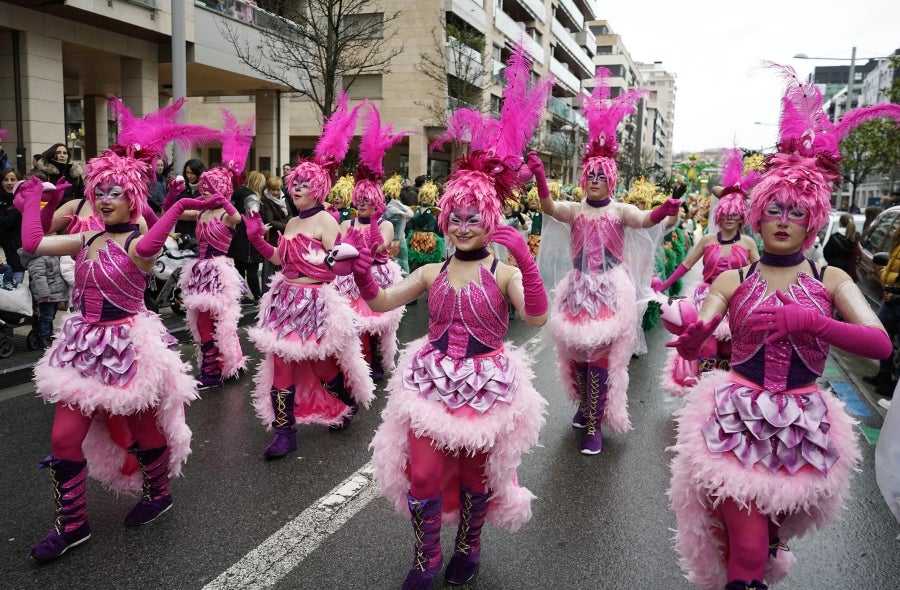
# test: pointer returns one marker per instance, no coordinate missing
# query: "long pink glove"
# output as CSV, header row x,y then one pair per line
x,y
150,217
256,234
54,198
176,187
660,286
226,204
667,208
691,341
362,266
29,193
532,285
791,317
536,166
152,242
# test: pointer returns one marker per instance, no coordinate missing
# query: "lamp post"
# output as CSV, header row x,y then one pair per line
x,y
852,78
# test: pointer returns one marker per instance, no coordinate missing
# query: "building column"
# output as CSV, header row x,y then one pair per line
x,y
273,131
418,155
140,85
96,126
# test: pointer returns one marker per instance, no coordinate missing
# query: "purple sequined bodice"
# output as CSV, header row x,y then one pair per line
x,y
111,286
791,362
601,240
715,264
213,237
470,321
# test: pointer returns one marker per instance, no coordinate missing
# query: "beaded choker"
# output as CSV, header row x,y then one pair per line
x,y
120,228
598,204
770,259
471,254
364,220
736,237
310,212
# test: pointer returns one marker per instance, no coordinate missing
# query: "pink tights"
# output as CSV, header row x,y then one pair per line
x,y
426,466
206,327
70,427
293,373
748,541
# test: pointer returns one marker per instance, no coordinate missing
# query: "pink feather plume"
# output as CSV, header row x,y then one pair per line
x,y
236,142
150,134
733,173
376,141
603,116
523,105
336,134
860,115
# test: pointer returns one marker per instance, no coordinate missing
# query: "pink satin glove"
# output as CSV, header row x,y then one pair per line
x,y
342,258
668,208
176,187
691,341
62,185
536,166
362,264
28,194
532,286
256,234
150,245
660,286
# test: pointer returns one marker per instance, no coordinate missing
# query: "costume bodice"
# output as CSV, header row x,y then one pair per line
x,y
470,321
111,285
795,360
302,256
213,236
714,263
380,257
78,224
597,242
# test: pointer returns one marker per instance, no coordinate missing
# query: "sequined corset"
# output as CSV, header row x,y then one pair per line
x,y
303,257
470,321
380,257
715,264
112,286
792,362
213,237
600,239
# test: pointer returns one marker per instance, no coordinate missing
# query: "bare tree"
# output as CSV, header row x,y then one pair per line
x,y
315,47
459,66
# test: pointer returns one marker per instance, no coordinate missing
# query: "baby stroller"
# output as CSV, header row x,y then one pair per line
x,y
162,287
16,308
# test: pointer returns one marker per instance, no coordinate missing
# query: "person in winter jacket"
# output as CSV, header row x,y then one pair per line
x,y
48,289
10,225
275,213
56,164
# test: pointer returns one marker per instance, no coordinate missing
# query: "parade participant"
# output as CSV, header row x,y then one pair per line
x,y
378,331
462,408
398,214
424,243
727,249
762,454
110,358
211,287
533,210
595,318
313,371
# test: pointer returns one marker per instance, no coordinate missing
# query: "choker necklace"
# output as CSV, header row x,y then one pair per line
x,y
770,259
120,228
364,220
736,238
310,212
471,254
597,204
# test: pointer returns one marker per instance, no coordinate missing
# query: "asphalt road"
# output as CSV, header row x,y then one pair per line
x,y
314,520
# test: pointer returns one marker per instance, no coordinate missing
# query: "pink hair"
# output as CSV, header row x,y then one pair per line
x,y
734,203
111,169
604,164
375,142
318,177
466,188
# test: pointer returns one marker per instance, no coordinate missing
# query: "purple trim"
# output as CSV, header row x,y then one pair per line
x,y
770,259
471,254
364,220
310,212
733,240
598,204
121,228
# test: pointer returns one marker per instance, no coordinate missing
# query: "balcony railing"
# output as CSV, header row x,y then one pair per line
x,y
244,12
572,12
563,110
572,48
536,8
564,77
514,32
471,11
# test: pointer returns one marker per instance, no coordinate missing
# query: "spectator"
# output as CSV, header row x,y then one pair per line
x,y
184,187
842,248
273,208
871,213
48,289
55,163
889,314
158,188
246,259
11,225
409,196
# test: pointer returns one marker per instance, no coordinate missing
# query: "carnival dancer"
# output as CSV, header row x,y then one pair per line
x,y
398,214
727,249
462,409
595,317
313,371
211,287
533,210
110,358
762,454
424,243
378,331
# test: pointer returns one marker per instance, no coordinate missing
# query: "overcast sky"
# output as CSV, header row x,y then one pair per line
x,y
715,49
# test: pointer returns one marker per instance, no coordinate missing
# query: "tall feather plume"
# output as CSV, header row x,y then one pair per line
x,y
336,135
236,142
375,142
471,127
152,133
860,115
603,116
523,106
804,127
733,179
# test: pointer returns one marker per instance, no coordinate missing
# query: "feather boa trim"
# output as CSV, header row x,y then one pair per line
x,y
505,431
801,503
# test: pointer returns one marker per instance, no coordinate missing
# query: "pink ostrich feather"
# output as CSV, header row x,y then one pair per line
x,y
860,115
336,134
376,141
150,134
471,127
603,116
236,142
733,178
804,127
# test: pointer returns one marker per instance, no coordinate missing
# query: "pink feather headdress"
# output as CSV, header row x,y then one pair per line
x,y
736,187
489,173
321,170
376,141
806,168
236,141
603,116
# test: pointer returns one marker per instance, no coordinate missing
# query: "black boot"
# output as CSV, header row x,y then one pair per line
x,y
744,585
467,550
71,527
377,363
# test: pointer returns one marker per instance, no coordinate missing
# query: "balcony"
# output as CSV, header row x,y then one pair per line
x,y
515,31
568,6
569,81
461,60
471,11
536,8
592,11
573,49
563,110
586,40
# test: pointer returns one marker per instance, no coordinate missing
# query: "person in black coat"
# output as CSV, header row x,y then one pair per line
x,y
246,198
11,225
55,164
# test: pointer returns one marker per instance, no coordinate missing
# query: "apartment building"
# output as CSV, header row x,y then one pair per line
x,y
656,145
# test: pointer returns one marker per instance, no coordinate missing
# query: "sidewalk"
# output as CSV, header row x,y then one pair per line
x,y
16,369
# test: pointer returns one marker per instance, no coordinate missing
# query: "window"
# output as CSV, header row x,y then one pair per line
x,y
363,26
362,86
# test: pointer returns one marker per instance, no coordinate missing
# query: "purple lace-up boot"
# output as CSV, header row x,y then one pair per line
x,y
744,585
592,443
157,498
285,439
338,388
467,550
210,368
377,362
580,371
71,527
428,559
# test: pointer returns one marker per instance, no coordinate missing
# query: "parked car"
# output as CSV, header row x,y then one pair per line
x,y
877,239
815,251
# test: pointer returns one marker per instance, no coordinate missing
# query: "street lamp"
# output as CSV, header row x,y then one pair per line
x,y
851,81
